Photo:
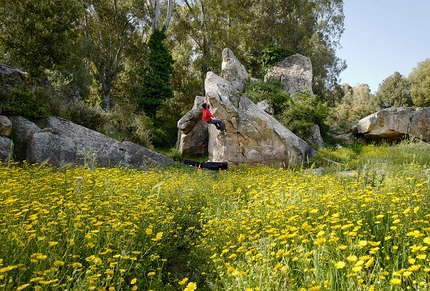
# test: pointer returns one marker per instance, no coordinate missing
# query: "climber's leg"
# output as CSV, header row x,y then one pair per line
x,y
217,123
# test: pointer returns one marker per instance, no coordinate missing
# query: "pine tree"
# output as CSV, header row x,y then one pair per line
x,y
156,75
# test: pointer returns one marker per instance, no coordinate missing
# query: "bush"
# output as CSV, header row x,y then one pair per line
x,y
270,90
302,111
272,55
24,102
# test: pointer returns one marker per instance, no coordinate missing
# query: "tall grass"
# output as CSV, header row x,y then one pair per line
x,y
244,229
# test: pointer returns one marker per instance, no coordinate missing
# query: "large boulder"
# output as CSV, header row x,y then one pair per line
x,y
61,141
23,129
387,124
420,124
294,72
233,71
395,123
253,136
9,78
5,126
193,132
6,148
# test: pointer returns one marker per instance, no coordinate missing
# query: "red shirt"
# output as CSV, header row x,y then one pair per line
x,y
206,115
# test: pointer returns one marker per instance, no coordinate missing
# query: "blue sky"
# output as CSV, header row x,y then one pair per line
x,y
382,37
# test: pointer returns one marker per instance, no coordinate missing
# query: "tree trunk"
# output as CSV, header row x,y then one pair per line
x,y
157,14
169,15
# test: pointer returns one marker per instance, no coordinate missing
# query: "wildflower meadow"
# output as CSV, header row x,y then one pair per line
x,y
361,223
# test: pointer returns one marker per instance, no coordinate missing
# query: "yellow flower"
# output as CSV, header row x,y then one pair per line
x,y
352,258
395,281
315,288
369,263
76,265
22,287
362,244
133,281
427,240
340,265
421,256
151,274
191,287
148,230
320,241
182,282
357,269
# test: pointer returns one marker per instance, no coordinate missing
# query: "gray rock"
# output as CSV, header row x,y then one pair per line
x,y
294,72
395,123
5,126
23,129
6,149
266,106
387,124
253,136
346,138
61,141
233,71
315,139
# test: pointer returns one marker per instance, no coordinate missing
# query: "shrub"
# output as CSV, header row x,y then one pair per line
x,y
272,55
270,90
24,102
302,111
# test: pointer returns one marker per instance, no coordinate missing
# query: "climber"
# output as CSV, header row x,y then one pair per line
x,y
207,116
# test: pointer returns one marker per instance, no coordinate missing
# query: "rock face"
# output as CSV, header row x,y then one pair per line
x,y
6,148
9,77
193,132
253,136
61,141
233,71
294,72
387,124
395,124
5,126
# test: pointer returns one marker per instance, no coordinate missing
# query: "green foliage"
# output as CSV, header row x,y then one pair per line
x,y
419,79
270,90
302,111
39,35
120,122
156,75
356,103
85,115
387,156
24,102
272,55
393,92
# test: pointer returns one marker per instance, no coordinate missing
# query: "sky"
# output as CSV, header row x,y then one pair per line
x,y
382,37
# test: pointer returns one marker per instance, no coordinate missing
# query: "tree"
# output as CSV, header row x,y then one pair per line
x,y
108,32
156,75
394,91
355,104
419,79
311,28
39,35
300,113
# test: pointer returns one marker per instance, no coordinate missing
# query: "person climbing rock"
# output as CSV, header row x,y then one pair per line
x,y
208,117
